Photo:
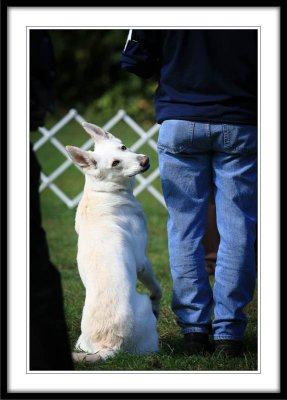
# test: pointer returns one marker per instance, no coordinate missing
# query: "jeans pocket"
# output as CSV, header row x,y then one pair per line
x,y
241,139
175,136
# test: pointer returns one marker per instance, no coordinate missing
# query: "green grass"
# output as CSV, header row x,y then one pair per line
x,y
58,222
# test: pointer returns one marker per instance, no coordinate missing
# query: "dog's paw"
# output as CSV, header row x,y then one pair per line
x,y
90,358
86,357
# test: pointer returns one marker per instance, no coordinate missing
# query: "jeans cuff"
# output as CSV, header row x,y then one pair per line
x,y
196,329
226,337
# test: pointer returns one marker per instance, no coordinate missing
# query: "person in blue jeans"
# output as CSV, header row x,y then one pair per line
x,y
206,103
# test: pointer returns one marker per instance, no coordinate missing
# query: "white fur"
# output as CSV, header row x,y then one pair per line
x,y
112,238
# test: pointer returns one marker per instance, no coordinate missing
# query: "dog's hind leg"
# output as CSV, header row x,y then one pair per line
x,y
146,276
145,337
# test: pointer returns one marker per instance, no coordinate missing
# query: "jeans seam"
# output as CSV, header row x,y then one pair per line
x,y
226,136
191,133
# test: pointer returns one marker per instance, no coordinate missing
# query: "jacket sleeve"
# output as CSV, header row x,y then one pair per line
x,y
141,53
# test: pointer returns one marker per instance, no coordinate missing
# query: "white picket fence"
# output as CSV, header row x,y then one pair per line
x,y
48,135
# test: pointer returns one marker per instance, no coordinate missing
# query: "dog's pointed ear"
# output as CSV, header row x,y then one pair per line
x,y
79,156
96,132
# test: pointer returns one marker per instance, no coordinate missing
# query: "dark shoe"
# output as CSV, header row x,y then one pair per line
x,y
228,348
196,343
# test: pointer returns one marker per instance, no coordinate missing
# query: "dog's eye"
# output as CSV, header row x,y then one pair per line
x,y
95,163
123,148
115,163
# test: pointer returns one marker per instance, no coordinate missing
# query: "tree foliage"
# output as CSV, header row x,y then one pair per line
x,y
90,78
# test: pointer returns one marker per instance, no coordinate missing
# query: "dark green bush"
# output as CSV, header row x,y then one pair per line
x,y
90,78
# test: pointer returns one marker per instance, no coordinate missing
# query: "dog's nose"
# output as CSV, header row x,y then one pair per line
x,y
144,161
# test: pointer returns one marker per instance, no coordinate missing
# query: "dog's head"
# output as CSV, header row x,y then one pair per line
x,y
110,160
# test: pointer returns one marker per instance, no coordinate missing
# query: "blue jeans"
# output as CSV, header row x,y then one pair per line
x,y
193,159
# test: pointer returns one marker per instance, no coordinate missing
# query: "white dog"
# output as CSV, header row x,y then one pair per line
x,y
112,238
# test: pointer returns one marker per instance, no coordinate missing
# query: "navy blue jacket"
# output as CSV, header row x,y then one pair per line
x,y
203,75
